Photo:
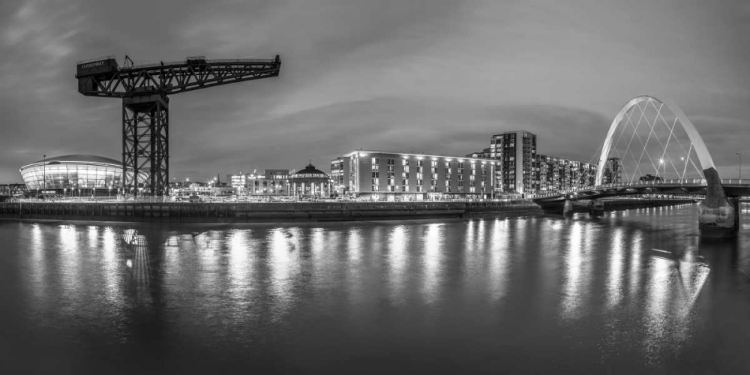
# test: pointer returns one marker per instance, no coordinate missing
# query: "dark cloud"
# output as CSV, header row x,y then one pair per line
x,y
430,76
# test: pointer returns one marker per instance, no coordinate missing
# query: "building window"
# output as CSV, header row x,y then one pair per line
x,y
375,174
405,176
375,161
405,162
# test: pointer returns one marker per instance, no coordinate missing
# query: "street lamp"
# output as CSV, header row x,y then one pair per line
x,y
739,169
44,171
661,162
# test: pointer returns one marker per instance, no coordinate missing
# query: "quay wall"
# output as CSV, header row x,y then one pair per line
x,y
183,212
614,204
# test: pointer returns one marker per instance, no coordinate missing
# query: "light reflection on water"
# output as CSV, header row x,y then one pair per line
x,y
637,287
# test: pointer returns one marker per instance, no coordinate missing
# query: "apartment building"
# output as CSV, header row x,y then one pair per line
x,y
406,176
516,152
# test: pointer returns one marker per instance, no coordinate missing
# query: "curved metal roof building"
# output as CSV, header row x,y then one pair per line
x,y
74,172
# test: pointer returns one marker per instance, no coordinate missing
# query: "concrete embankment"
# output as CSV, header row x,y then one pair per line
x,y
614,204
261,212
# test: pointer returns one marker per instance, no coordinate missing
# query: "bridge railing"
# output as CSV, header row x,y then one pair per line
x,y
687,181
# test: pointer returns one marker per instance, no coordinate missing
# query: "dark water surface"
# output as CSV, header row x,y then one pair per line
x,y
632,292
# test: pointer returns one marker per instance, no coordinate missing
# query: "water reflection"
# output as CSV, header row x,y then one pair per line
x,y
498,264
240,262
617,245
283,262
397,263
575,268
629,286
69,265
111,267
432,258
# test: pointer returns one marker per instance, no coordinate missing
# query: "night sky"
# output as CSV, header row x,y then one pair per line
x,y
435,76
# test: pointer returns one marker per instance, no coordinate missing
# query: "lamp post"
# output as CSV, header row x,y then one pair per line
x,y
44,171
739,169
661,162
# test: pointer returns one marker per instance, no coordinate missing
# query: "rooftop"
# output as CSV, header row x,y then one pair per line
x,y
92,159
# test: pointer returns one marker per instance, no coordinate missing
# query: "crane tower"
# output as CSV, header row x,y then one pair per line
x,y
145,90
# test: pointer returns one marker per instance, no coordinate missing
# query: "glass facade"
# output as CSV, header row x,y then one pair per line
x,y
86,173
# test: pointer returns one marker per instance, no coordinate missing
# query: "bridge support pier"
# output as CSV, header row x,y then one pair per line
x,y
568,208
717,215
596,208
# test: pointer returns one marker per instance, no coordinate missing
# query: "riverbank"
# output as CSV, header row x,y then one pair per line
x,y
290,212
616,204
261,212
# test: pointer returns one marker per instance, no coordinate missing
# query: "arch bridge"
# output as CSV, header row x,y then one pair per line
x,y
652,147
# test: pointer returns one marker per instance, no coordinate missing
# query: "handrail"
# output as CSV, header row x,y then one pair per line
x,y
184,62
95,59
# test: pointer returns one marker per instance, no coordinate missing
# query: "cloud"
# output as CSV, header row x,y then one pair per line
x,y
431,76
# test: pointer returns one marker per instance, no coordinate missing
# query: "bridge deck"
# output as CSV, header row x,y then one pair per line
x,y
732,187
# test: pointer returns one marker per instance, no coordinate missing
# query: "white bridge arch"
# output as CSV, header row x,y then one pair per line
x,y
697,143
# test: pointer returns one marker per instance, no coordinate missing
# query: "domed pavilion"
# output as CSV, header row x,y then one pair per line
x,y
310,182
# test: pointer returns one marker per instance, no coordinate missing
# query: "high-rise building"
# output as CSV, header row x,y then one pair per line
x,y
612,171
516,151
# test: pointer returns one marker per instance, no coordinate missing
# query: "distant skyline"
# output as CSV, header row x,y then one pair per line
x,y
438,77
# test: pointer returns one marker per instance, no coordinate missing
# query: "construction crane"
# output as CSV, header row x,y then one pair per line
x,y
145,91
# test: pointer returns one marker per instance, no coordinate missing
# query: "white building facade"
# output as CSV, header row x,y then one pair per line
x,y
406,177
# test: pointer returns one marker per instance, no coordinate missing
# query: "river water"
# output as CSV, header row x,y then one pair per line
x,y
635,291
